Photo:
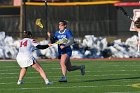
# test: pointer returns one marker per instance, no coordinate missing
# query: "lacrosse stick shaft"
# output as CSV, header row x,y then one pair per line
x,y
46,16
125,13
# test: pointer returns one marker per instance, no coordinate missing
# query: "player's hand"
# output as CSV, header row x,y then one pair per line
x,y
50,45
49,34
137,29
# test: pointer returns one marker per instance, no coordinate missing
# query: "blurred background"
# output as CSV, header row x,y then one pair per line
x,y
98,26
97,17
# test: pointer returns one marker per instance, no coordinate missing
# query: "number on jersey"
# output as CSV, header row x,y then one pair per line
x,y
23,43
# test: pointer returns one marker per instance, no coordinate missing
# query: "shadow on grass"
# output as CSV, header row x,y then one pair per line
x,y
112,79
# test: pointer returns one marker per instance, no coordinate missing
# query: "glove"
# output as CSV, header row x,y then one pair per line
x,y
137,23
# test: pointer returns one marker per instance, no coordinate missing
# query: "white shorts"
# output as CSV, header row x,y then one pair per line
x,y
25,60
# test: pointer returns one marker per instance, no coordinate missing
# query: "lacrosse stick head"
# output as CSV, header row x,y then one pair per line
x,y
62,41
39,23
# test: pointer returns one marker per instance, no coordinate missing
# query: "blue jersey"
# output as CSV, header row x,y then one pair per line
x,y
65,34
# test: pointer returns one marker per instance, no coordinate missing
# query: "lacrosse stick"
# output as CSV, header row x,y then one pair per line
x,y
62,41
124,12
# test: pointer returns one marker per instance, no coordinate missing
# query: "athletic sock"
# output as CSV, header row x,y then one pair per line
x,y
46,81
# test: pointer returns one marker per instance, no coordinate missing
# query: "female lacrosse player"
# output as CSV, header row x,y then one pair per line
x,y
137,28
64,50
26,59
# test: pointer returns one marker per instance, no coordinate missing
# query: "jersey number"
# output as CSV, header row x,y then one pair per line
x,y
23,43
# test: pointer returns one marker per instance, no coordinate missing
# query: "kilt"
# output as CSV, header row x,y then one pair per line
x,y
25,60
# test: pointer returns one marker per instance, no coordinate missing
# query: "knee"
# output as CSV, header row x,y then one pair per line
x,y
62,64
69,69
24,68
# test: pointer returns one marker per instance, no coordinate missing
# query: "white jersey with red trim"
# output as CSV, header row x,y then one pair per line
x,y
25,57
27,45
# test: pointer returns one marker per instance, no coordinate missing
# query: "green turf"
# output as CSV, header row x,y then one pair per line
x,y
101,76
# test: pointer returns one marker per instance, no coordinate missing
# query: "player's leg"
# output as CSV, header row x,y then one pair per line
x,y
21,75
69,66
72,68
62,64
38,68
63,68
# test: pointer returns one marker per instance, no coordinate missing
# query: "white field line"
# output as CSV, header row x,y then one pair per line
x,y
124,92
87,71
103,66
64,87
10,73
113,75
38,76
7,73
58,68
57,72
18,70
114,71
48,65
5,70
17,67
71,76
54,81
121,65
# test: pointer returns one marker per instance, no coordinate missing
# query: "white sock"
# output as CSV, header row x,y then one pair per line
x,y
46,81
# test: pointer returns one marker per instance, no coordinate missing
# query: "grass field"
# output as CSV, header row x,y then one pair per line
x,y
102,76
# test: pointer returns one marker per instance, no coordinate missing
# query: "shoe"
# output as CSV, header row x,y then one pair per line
x,y
49,83
82,69
19,82
63,79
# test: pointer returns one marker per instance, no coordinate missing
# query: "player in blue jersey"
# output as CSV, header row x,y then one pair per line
x,y
64,50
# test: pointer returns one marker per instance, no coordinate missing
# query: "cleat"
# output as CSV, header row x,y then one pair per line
x,y
63,79
82,69
19,82
49,83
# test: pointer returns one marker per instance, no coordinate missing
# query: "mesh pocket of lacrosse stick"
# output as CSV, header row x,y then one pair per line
x,y
63,40
38,23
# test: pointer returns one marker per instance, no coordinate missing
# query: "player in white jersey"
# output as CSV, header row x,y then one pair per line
x,y
137,28
26,59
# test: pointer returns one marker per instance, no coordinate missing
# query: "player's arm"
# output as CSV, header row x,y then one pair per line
x,y
70,38
37,45
137,29
70,41
42,46
51,37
